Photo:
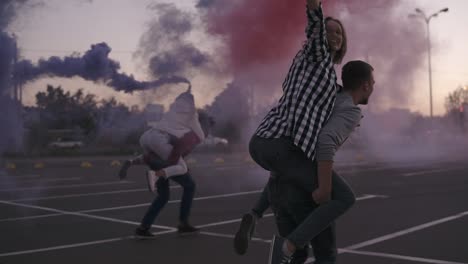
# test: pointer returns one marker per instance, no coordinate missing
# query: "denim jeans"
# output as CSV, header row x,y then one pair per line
x,y
292,167
163,194
291,206
262,204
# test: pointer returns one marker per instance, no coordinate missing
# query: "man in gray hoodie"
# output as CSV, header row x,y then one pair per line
x,y
331,195
307,196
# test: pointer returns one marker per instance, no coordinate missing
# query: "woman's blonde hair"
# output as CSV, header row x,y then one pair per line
x,y
339,55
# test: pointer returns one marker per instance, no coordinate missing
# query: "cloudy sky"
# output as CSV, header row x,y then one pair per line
x,y
59,28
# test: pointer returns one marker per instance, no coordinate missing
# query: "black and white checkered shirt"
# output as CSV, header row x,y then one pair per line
x,y
309,91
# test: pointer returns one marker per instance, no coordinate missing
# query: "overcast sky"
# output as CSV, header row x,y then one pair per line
x,y
62,27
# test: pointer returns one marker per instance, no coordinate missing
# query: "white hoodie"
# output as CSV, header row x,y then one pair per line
x,y
181,118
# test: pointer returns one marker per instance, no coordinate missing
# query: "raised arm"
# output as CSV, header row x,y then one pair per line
x,y
313,4
316,47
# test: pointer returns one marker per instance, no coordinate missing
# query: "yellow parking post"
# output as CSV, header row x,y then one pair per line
x,y
360,157
115,163
86,164
39,165
11,166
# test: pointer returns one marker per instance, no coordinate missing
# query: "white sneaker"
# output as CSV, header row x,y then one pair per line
x,y
151,180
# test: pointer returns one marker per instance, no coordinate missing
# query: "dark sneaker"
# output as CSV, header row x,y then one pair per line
x,y
143,234
187,230
301,256
244,234
277,255
151,180
124,169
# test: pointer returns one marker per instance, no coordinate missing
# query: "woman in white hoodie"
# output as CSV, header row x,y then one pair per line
x,y
164,147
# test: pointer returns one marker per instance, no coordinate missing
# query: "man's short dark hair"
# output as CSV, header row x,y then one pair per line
x,y
354,73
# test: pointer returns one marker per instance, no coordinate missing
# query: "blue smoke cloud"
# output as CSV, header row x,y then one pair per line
x,y
95,65
165,46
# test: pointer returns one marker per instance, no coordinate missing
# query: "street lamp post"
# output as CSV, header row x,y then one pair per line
x,y
427,19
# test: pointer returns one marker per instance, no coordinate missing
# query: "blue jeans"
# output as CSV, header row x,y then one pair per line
x,y
291,206
163,194
262,204
292,167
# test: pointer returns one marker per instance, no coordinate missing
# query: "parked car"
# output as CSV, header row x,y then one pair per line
x,y
63,143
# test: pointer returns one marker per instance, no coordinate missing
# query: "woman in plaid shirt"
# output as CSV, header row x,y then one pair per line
x,y
293,125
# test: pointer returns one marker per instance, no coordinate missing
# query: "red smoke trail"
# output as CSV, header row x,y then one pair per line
x,y
260,31
262,37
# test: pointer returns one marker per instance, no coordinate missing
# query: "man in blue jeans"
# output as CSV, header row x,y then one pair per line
x,y
163,192
165,146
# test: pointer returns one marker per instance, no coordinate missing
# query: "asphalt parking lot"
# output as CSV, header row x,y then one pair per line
x,y
77,211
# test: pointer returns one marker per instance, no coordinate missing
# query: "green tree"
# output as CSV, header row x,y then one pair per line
x,y
456,99
63,110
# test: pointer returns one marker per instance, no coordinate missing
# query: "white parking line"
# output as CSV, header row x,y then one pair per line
x,y
42,180
83,195
351,249
13,219
45,198
15,177
220,196
429,172
119,207
169,229
250,166
341,251
174,201
222,165
66,186
357,252
374,169
394,256
237,220
371,196
80,214
367,196
15,253
406,231
361,198
232,236
236,167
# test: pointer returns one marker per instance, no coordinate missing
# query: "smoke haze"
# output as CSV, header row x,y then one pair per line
x,y
262,37
12,128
